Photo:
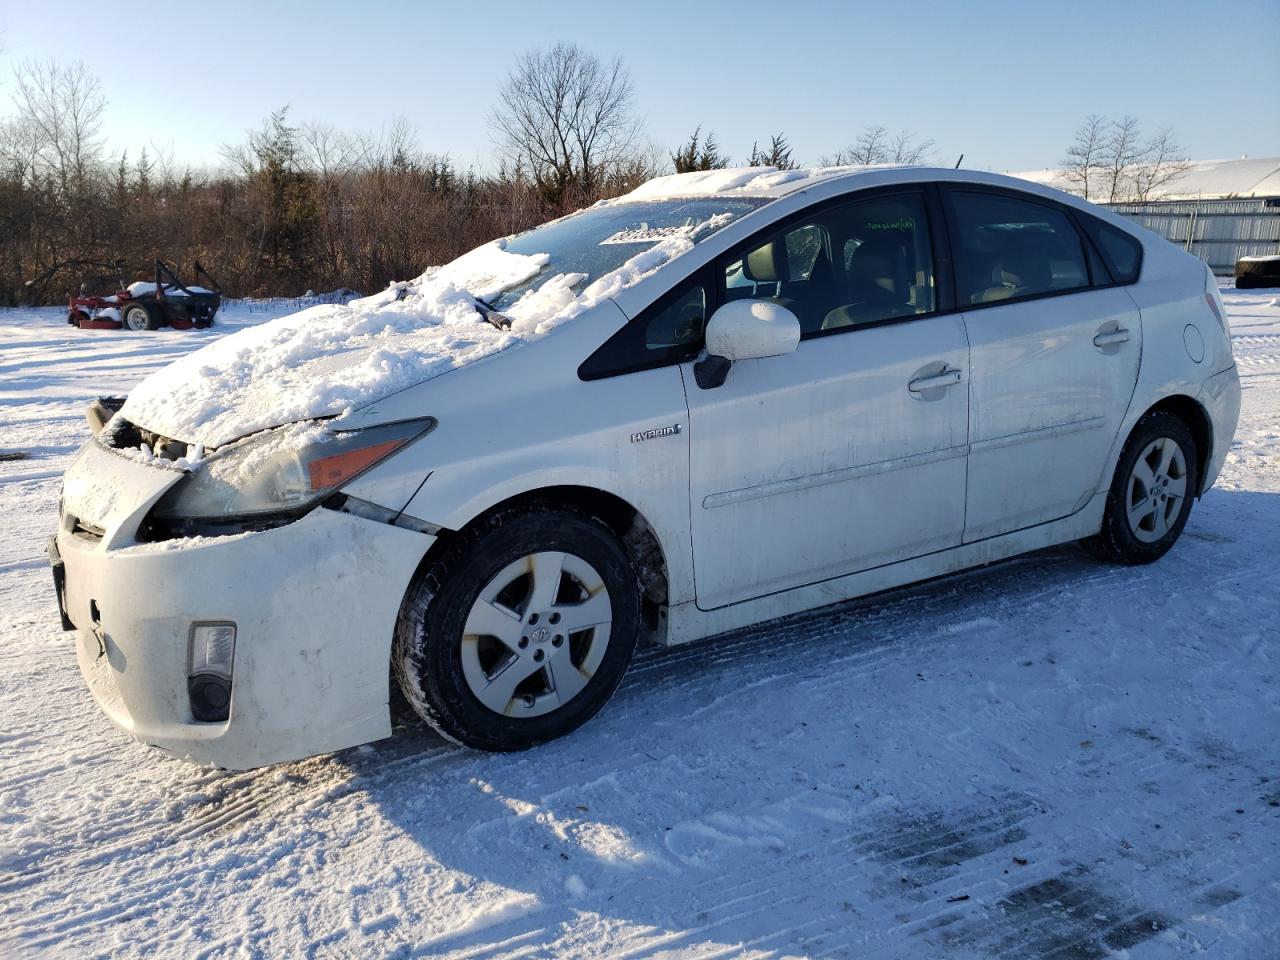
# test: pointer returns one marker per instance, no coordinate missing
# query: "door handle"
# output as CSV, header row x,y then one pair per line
x,y
947,378
1111,338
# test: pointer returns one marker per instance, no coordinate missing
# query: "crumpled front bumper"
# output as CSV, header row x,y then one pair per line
x,y
314,603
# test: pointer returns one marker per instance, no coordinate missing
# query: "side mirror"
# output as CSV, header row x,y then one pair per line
x,y
745,330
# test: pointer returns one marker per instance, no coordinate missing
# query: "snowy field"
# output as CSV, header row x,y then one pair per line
x,y
1047,758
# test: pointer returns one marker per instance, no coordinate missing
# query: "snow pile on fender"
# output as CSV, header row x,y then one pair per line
x,y
331,359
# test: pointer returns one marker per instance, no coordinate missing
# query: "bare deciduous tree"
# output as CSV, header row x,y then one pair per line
x,y
875,145
53,176
905,149
1122,150
1082,166
328,151
63,107
1164,162
870,147
566,118
1110,161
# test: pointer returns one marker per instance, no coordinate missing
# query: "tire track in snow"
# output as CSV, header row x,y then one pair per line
x,y
229,804
741,905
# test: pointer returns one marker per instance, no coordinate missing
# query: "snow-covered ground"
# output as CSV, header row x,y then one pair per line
x,y
1050,757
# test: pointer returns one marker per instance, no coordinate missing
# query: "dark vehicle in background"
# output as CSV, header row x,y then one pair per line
x,y
1257,272
149,305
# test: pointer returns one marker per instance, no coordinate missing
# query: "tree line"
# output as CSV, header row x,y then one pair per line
x,y
298,206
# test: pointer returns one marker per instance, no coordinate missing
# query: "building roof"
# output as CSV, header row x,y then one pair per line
x,y
1203,180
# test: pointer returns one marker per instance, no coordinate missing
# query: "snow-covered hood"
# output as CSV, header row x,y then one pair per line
x,y
332,359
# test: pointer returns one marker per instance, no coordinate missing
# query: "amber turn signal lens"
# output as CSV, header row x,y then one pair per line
x,y
332,471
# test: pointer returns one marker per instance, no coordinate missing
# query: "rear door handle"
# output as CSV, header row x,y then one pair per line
x,y
1111,338
947,378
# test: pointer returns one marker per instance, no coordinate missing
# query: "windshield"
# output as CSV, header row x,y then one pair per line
x,y
601,239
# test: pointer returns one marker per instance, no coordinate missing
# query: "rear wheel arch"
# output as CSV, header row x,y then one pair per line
x,y
1152,489
1190,412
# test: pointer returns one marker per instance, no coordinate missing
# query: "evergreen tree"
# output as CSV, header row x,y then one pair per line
x,y
695,155
777,155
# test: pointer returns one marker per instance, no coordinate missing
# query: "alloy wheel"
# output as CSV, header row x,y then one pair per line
x,y
536,634
1156,489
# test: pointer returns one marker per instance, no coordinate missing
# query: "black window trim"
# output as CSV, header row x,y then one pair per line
x,y
926,191
1087,247
1081,218
672,356
711,274
941,222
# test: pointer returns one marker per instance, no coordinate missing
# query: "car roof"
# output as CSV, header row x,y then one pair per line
x,y
763,182
770,183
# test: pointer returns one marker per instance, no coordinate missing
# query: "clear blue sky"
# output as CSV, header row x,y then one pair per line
x,y
1004,83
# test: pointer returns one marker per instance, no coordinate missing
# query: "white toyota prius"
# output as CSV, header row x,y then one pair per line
x,y
723,398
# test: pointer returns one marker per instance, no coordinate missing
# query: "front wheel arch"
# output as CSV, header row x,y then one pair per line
x,y
632,528
429,651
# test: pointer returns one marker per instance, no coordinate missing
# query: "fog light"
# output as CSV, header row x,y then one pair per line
x,y
213,647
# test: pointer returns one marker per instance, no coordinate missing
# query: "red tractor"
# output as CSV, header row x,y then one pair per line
x,y
149,306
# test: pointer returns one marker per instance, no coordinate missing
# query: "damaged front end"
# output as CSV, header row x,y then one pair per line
x,y
259,482
215,609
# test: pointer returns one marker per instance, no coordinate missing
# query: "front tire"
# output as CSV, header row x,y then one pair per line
x,y
1150,499
521,629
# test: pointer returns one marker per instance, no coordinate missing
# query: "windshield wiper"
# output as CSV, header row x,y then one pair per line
x,y
491,313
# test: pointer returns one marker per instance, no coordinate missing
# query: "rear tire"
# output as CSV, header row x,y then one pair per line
x,y
1155,481
520,631
140,315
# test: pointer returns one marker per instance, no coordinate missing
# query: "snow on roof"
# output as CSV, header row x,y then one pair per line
x,y
1203,179
739,182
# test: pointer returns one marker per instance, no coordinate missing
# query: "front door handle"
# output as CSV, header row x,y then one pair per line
x,y
1111,338
947,378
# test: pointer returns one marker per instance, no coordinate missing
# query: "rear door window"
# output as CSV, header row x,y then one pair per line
x,y
1008,248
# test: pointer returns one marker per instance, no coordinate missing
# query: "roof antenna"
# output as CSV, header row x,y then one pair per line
x,y
958,162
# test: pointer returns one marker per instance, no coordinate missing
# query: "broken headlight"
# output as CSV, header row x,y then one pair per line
x,y
274,477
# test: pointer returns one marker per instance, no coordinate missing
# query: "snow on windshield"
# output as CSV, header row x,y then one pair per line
x,y
600,240
335,358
